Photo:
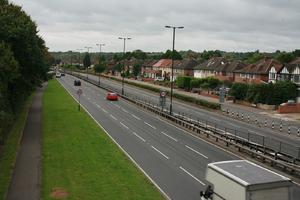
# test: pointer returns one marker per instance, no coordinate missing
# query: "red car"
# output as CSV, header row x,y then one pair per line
x,y
112,96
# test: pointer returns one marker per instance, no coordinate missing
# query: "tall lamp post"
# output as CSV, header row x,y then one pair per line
x,y
100,45
172,65
88,50
124,39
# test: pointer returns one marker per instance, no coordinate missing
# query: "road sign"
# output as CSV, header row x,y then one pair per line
x,y
163,93
79,91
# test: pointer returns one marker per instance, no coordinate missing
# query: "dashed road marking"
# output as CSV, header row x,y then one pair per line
x,y
104,110
124,110
169,136
191,175
190,148
159,152
135,117
113,117
124,125
139,136
150,125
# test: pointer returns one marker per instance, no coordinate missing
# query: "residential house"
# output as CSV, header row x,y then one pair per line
x,y
147,70
184,67
264,70
210,67
225,72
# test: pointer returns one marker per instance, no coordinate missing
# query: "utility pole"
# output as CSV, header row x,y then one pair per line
x,y
123,74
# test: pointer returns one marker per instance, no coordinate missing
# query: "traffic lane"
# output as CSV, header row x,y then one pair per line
x,y
171,178
224,121
183,152
295,191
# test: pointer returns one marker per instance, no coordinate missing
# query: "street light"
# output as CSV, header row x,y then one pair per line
x,y
172,65
123,38
100,45
88,50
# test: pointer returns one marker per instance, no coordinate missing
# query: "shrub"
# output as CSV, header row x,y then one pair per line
x,y
239,90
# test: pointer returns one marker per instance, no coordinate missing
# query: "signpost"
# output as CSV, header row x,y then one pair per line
x,y
79,92
222,94
162,99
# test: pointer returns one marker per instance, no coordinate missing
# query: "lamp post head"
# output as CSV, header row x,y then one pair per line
x,y
180,27
168,27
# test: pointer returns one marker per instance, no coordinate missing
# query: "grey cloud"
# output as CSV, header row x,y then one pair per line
x,y
233,25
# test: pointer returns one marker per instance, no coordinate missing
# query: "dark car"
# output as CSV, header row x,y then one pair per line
x,y
112,96
77,83
62,74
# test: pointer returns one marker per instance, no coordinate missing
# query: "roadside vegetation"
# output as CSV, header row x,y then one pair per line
x,y
79,159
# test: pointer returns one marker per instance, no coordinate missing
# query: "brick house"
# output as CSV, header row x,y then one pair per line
x,y
210,67
264,70
147,70
184,67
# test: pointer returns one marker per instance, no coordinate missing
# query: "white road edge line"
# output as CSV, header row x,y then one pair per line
x,y
159,152
113,117
191,175
125,152
139,136
124,125
197,152
150,125
136,117
125,110
169,136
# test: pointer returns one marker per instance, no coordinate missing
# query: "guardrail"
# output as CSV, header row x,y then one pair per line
x,y
243,143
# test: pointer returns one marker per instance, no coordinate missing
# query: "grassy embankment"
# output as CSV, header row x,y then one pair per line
x,y
80,159
10,149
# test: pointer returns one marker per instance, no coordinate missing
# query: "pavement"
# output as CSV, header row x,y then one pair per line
x,y
175,160
26,180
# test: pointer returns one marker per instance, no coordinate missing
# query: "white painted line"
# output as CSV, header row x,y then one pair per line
x,y
190,148
97,105
104,110
124,125
233,125
89,98
169,136
139,137
113,117
136,117
116,105
125,110
159,152
150,125
125,152
191,175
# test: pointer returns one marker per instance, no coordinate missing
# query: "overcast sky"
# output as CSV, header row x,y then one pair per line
x,y
230,25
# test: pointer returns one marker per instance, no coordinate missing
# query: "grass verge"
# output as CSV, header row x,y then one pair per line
x,y
80,159
10,148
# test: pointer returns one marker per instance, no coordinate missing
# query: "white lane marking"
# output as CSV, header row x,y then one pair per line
x,y
89,98
150,125
125,110
191,175
125,152
116,105
159,152
97,105
233,124
136,117
190,148
169,136
104,110
113,117
139,136
124,125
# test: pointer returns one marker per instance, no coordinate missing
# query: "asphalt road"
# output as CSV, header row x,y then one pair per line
x,y
175,160
280,141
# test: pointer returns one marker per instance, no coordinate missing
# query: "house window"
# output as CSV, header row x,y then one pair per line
x,y
297,78
272,76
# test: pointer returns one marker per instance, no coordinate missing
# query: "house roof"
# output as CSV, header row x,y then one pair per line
x,y
234,65
290,67
296,61
262,66
149,62
216,64
163,63
187,64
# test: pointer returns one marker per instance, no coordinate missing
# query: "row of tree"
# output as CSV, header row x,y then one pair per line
x,y
188,83
24,62
272,94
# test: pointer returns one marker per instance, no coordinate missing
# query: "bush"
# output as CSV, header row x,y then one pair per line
x,y
183,82
239,90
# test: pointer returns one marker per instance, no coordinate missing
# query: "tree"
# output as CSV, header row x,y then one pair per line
x,y
169,54
239,90
284,57
206,55
139,54
136,69
99,68
183,82
86,60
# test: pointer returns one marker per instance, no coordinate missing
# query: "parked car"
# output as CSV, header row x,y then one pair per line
x,y
62,74
112,96
77,83
159,78
58,75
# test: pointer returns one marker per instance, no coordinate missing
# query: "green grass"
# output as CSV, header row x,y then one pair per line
x,y
80,158
10,149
